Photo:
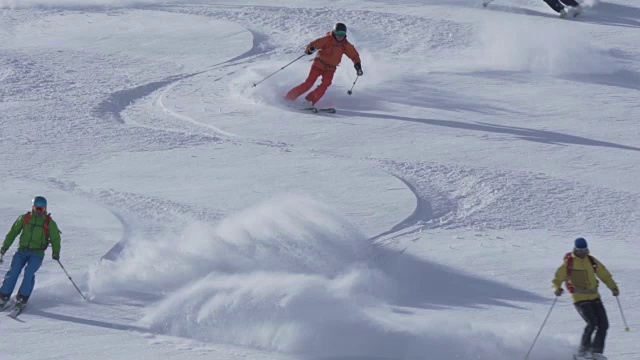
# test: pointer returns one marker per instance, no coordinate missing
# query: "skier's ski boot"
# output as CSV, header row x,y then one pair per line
x,y
563,13
308,103
21,300
599,356
21,303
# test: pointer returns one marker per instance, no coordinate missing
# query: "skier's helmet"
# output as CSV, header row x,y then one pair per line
x,y
340,29
580,244
39,201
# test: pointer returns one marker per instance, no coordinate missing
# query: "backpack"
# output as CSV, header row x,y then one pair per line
x,y
569,259
45,226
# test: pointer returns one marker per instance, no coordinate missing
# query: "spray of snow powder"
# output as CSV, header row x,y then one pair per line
x,y
292,275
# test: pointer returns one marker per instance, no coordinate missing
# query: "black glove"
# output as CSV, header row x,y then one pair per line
x,y
2,251
55,256
310,51
358,67
558,291
615,291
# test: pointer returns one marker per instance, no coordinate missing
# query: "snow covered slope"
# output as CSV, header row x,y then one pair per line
x,y
206,219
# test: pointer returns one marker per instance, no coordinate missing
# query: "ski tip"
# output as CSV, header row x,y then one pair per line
x,y
14,314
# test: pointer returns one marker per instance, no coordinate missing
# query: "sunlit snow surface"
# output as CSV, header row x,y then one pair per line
x,y
206,218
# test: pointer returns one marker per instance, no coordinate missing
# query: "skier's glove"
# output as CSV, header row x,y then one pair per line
x,y
358,67
615,291
311,50
55,256
2,251
558,291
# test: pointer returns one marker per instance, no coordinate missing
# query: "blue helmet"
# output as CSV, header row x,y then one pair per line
x,y
39,201
580,244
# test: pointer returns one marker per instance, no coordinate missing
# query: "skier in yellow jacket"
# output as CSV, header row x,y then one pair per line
x,y
579,271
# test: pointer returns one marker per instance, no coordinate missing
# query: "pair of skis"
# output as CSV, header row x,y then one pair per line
x,y
317,110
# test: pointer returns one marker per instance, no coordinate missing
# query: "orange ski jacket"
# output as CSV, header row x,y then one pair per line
x,y
330,52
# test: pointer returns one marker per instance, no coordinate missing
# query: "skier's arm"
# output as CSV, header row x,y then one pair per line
x,y
16,229
317,44
605,275
352,53
560,276
54,235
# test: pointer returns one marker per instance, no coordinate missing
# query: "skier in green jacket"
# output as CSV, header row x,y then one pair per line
x,y
36,230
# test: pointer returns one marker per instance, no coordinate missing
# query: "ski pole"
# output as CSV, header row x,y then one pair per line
x,y
540,331
354,84
74,284
282,68
1,256
626,327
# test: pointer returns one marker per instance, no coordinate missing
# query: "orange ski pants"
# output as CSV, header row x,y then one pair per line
x,y
318,93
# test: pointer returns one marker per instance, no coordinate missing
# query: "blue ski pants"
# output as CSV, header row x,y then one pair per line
x,y
21,259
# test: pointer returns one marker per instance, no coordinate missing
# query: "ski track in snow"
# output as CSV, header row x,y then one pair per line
x,y
466,197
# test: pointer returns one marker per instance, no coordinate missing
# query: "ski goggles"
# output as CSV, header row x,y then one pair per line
x,y
39,209
341,33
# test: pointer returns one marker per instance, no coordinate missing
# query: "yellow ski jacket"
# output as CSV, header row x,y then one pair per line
x,y
583,278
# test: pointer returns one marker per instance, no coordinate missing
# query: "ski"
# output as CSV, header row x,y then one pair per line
x,y
17,310
317,110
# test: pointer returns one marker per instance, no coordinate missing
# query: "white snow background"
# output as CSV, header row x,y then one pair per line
x,y
207,219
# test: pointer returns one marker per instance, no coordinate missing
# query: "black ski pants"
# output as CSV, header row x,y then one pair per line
x,y
557,6
593,312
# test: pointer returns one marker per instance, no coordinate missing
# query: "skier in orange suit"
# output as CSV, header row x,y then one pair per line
x,y
330,49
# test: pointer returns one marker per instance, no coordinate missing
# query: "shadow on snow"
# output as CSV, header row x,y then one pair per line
x,y
540,136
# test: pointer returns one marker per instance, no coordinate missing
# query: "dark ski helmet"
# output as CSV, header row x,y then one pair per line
x,y
339,29
39,201
580,244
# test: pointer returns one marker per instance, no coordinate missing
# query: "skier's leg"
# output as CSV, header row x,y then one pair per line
x,y
34,261
318,93
603,325
587,312
18,261
555,5
314,74
572,3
